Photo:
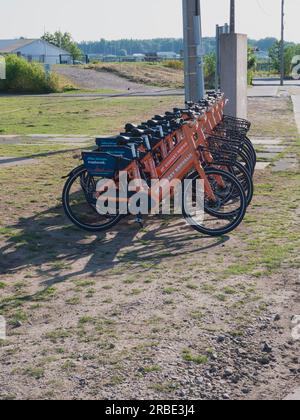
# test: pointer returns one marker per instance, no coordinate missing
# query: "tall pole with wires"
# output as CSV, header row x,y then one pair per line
x,y
193,50
282,61
232,16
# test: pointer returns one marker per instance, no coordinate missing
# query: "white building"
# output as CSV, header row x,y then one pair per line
x,y
168,55
36,50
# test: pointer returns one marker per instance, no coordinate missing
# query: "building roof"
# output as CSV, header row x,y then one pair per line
x,y
14,45
11,45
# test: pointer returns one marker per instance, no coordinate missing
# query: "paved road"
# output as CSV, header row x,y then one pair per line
x,y
274,82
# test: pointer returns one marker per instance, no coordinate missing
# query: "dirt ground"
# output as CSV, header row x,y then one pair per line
x,y
157,313
91,79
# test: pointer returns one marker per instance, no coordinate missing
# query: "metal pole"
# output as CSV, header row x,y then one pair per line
x,y
232,16
193,51
282,61
199,52
217,79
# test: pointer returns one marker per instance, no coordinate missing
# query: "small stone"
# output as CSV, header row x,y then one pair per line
x,y
199,380
264,361
17,324
266,348
228,372
242,352
235,379
226,397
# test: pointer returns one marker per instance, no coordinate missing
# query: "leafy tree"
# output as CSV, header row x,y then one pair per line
x,y
138,46
263,44
251,59
251,64
210,63
65,41
290,50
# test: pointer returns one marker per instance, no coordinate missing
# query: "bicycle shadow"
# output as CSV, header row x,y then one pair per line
x,y
55,252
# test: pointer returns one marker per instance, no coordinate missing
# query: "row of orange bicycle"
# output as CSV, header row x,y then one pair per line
x,y
194,143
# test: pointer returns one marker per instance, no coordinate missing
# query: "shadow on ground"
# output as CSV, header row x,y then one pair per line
x,y
56,252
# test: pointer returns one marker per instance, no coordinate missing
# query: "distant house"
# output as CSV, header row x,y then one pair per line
x,y
139,57
168,55
35,50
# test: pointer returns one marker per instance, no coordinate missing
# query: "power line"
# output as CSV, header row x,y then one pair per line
x,y
262,8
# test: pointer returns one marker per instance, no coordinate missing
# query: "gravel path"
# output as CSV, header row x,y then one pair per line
x,y
91,79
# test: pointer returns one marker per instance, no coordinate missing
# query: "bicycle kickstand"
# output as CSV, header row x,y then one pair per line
x,y
139,220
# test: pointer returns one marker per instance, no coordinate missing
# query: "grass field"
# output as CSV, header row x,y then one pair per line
x,y
87,116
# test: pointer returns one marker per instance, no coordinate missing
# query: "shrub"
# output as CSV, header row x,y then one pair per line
x,y
174,64
24,77
210,70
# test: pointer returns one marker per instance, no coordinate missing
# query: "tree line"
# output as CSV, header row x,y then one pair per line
x,y
142,46
138,46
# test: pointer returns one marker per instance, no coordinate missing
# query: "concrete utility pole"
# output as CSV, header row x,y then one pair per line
x,y
193,51
282,61
219,31
233,68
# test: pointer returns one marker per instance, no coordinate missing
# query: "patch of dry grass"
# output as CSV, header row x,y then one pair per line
x,y
151,74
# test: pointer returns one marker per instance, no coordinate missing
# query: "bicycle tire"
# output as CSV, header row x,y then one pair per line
x,y
68,211
238,218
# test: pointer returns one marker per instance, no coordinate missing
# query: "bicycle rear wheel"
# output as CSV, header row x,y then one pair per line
x,y
242,174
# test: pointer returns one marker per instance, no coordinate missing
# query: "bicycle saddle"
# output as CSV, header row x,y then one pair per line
x,y
129,127
173,115
159,117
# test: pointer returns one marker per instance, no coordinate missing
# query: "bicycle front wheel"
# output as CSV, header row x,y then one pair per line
x,y
79,202
223,215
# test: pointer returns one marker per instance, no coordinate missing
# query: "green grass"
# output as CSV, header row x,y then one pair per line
x,y
150,369
34,372
34,115
9,150
188,356
57,335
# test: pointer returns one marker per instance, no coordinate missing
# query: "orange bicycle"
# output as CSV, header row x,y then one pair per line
x,y
169,149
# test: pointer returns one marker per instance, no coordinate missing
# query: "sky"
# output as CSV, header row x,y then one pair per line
x,y
115,19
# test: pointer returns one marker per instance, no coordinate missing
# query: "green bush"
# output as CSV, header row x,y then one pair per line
x,y
24,77
250,77
210,70
174,64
